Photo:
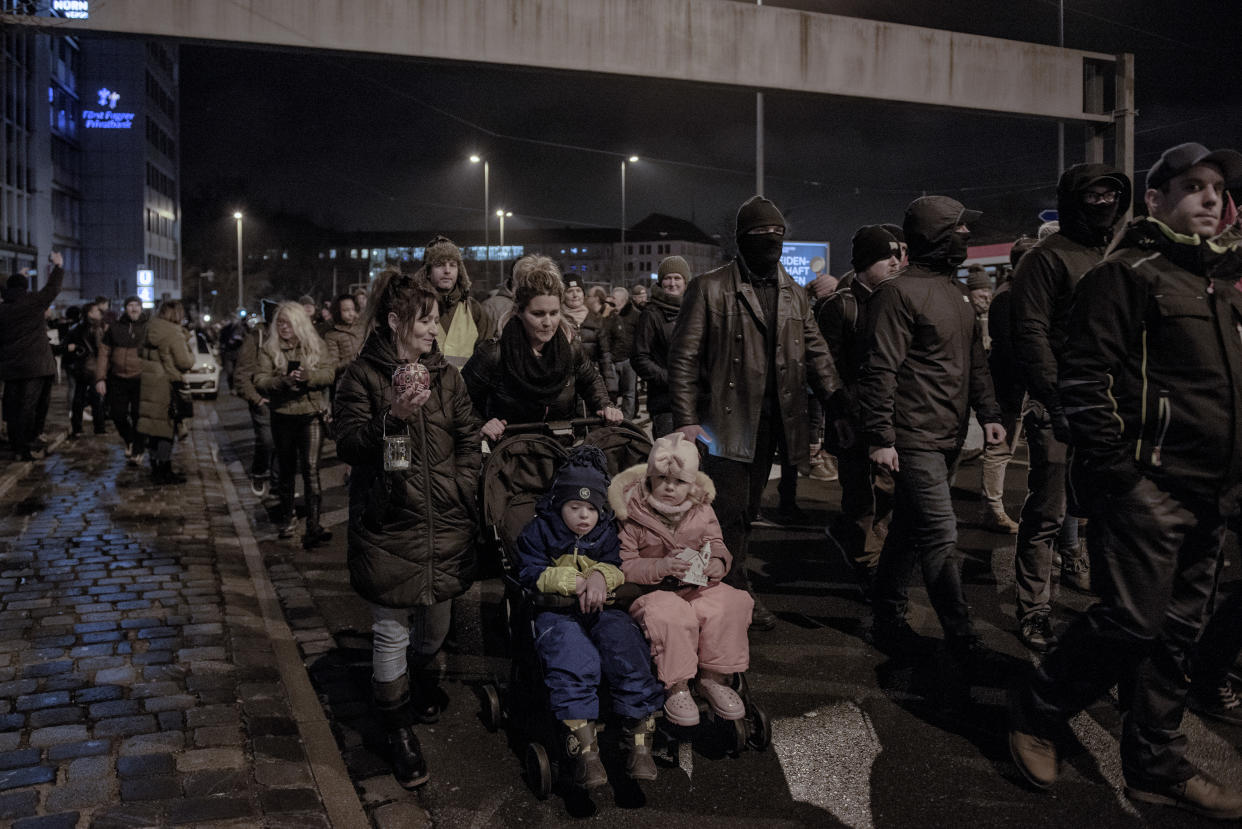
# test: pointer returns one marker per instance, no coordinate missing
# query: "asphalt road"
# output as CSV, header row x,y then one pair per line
x,y
859,739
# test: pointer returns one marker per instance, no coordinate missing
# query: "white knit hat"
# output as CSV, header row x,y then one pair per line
x,y
675,456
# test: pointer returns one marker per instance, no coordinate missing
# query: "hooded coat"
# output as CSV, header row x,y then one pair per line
x,y
924,367
118,349
25,351
411,532
165,355
646,538
651,341
1043,282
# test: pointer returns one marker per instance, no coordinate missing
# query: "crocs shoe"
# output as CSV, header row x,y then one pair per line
x,y
723,699
681,709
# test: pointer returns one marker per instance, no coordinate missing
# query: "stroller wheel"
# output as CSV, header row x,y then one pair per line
x,y
740,684
538,770
759,727
492,714
737,736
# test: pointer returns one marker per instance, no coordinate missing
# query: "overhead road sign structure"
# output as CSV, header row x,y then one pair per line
x,y
708,41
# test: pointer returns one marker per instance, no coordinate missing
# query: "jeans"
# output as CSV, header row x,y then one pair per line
x,y
627,387
1156,555
84,394
123,399
923,531
1043,514
264,462
739,489
393,629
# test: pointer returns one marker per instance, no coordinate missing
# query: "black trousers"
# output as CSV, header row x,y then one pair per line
x,y
84,395
25,409
866,500
299,442
1043,513
739,489
1220,643
1159,552
123,399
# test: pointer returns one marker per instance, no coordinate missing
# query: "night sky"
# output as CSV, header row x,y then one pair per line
x,y
372,143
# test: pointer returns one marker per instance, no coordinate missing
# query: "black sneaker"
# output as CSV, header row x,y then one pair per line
x,y
1219,703
895,636
1036,632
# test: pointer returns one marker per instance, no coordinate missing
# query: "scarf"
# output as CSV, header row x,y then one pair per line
x,y
539,377
576,315
671,513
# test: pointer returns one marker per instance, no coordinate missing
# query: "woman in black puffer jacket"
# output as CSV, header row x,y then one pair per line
x,y
411,530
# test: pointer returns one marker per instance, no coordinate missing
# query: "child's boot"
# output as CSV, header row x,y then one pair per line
x,y
392,703
638,738
582,748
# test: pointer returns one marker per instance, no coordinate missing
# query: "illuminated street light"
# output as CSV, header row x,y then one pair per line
x,y
487,225
502,213
241,297
631,160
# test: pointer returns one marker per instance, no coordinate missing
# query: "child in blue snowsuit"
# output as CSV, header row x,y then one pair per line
x,y
571,548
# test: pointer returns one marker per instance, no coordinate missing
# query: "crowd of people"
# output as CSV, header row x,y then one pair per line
x,y
1112,346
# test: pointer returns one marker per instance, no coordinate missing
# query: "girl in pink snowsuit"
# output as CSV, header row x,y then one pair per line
x,y
664,510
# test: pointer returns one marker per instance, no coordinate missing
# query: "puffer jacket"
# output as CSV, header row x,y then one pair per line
x,y
286,396
495,394
1043,283
650,357
247,361
411,532
619,331
550,557
118,349
83,360
924,367
718,357
1151,373
646,539
165,353
343,342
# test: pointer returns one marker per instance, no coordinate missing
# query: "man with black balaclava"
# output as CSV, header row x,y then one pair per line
x,y
1092,200
923,372
742,353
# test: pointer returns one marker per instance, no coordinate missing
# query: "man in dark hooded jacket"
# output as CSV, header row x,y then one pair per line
x,y
1151,386
1092,200
742,353
923,372
26,362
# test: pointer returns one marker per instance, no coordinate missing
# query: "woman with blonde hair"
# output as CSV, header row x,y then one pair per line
x,y
534,372
293,372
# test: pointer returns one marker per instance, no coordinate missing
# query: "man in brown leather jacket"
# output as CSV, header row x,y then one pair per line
x,y
745,347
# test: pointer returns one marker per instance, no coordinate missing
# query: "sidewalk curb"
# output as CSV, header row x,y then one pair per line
x,y
340,798
18,469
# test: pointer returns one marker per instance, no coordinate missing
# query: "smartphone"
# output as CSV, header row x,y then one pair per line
x,y
294,365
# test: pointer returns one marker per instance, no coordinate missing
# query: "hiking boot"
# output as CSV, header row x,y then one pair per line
x,y
1198,794
1036,632
1076,572
582,747
997,521
392,704
1035,757
638,738
1219,703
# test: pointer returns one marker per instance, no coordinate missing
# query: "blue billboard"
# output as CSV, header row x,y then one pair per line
x,y
805,260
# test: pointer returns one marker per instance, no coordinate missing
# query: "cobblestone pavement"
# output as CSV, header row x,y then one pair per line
x,y
138,678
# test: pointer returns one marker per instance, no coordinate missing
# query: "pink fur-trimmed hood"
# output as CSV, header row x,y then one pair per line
x,y
629,483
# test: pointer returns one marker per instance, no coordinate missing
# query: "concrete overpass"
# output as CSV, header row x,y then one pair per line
x,y
707,41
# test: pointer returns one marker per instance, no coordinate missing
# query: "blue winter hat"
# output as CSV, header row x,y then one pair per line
x,y
584,477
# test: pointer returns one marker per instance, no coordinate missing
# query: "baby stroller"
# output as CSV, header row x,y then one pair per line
x,y
516,474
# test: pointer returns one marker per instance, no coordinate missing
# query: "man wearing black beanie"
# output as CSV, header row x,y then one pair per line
x,y
742,353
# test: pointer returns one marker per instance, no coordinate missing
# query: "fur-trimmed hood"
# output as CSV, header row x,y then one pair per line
x,y
628,485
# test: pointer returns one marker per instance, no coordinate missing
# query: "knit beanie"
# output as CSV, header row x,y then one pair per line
x,y
758,212
572,280
584,477
872,243
977,278
675,456
306,299
673,264
898,233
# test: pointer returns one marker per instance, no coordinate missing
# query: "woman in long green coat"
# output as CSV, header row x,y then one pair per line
x,y
165,354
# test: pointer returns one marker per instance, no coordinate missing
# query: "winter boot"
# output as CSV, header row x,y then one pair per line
x,y
392,703
288,517
169,476
315,533
582,748
426,698
638,738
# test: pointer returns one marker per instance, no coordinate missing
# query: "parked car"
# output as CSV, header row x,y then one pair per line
x,y
204,378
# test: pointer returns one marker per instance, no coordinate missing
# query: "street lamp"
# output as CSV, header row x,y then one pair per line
x,y
631,160
502,213
487,225
241,298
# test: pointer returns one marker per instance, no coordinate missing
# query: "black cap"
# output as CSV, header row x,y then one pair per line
x,y
871,244
1177,160
942,211
758,212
